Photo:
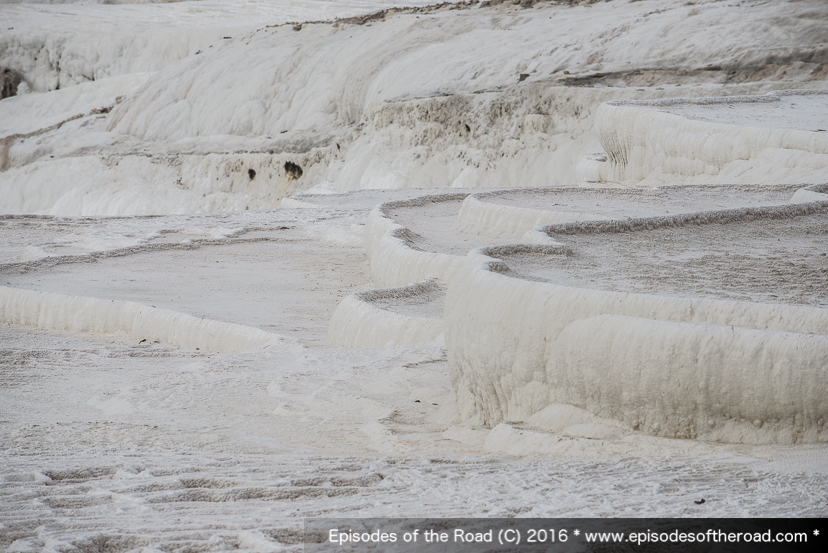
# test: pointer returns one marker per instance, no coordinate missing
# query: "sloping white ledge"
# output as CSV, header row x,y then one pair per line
x,y
815,193
359,323
722,216
477,213
395,259
48,311
678,367
647,145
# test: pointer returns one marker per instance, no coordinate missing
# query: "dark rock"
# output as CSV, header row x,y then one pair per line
x,y
9,81
292,170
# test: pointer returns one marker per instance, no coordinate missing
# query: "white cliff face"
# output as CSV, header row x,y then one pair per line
x,y
359,103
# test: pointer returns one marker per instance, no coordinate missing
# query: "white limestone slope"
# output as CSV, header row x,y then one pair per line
x,y
75,314
27,113
677,367
183,448
323,75
671,366
211,89
134,37
395,260
814,193
145,184
361,321
114,444
778,138
515,221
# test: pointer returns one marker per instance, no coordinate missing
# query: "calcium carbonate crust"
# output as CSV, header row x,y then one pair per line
x,y
646,145
679,367
361,321
60,312
519,213
395,259
697,368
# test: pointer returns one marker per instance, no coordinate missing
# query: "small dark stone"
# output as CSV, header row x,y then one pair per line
x,y
251,173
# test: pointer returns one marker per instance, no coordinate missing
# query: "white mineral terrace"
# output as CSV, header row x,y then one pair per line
x,y
625,312
780,137
266,259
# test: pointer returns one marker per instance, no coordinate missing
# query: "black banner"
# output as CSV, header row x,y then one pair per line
x,y
565,535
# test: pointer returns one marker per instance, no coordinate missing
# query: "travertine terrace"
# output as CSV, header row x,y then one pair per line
x,y
265,259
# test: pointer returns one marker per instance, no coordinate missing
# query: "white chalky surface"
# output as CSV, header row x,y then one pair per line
x,y
233,444
145,160
622,203
770,261
806,113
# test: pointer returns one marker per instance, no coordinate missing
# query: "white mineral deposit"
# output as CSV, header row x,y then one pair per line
x,y
263,260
